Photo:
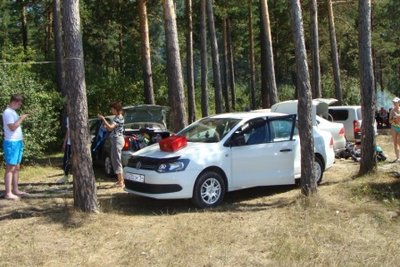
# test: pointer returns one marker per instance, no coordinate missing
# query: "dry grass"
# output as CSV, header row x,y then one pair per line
x,y
352,222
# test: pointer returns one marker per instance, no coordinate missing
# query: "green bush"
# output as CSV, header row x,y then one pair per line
x,y
42,126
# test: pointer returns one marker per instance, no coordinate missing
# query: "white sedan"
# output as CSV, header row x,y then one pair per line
x,y
226,152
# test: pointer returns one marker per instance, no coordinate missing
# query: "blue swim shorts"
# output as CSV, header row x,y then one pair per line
x,y
396,128
13,151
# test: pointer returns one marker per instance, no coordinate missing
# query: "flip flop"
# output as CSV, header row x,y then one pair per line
x,y
23,194
13,198
118,185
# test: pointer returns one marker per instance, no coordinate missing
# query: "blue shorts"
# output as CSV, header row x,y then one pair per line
x,y
396,128
13,151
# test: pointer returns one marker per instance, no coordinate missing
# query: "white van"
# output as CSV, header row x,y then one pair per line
x,y
351,117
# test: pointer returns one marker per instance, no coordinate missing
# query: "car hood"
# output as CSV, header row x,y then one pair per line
x,y
146,114
191,150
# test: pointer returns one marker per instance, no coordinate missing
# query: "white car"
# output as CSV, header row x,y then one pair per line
x,y
319,107
226,152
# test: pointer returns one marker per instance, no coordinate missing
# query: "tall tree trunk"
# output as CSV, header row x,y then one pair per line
x,y
368,155
189,63
85,197
146,57
215,58
24,26
268,53
334,54
204,61
58,47
265,98
252,57
308,183
316,69
231,66
226,85
174,70
48,30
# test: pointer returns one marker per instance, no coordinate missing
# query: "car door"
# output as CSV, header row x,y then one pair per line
x,y
263,152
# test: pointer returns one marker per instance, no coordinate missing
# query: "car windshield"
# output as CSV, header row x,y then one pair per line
x,y
209,130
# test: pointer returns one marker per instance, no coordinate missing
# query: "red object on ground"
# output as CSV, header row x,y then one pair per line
x,y
173,143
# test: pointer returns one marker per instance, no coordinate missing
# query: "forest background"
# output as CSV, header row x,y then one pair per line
x,y
112,54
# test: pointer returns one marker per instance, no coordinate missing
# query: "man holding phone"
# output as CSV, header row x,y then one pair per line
x,y
13,147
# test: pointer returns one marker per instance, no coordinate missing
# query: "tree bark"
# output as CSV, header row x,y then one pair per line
x,y
58,48
146,57
215,58
231,65
308,183
226,86
334,54
268,54
204,61
189,63
316,69
85,197
24,26
252,58
368,155
174,70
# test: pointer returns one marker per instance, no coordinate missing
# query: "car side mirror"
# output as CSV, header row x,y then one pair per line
x,y
237,139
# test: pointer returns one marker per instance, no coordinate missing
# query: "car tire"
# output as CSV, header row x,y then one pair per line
x,y
108,169
318,170
209,190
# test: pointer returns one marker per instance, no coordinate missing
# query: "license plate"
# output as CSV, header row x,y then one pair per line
x,y
134,177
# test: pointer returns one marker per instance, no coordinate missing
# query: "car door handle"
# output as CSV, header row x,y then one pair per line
x,y
285,150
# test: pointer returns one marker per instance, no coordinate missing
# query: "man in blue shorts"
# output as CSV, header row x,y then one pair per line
x,y
13,147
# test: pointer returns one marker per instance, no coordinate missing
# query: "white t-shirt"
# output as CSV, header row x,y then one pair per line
x,y
10,116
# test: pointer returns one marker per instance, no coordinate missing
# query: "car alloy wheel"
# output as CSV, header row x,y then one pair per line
x,y
209,190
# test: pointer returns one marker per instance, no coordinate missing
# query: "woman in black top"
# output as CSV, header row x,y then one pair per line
x,y
117,139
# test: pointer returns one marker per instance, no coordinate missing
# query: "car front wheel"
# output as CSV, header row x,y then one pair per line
x,y
209,190
318,170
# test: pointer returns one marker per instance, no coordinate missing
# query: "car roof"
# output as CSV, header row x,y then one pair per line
x,y
248,115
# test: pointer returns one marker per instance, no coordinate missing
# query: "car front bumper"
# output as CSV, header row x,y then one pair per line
x,y
174,185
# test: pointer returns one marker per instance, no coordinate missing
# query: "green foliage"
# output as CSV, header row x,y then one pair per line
x,y
41,127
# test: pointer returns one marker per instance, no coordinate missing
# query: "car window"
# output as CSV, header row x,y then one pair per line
x,y
281,129
209,130
257,133
339,114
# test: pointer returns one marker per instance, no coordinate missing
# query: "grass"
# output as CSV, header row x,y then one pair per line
x,y
351,222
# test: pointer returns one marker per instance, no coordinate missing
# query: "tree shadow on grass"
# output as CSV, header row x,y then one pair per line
x,y
237,201
386,191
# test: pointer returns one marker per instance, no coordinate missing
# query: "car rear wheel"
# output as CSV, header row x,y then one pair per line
x,y
108,169
318,170
209,190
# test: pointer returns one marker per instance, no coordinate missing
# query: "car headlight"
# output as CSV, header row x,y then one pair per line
x,y
175,166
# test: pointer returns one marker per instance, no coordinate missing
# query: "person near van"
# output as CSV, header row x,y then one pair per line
x,y
116,127
13,147
394,119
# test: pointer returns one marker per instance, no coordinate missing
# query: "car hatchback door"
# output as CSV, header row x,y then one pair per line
x,y
263,152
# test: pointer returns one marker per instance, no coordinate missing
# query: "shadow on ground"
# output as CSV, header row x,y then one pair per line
x,y
234,201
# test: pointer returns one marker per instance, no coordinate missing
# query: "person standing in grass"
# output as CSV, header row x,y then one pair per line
x,y
117,140
13,147
394,120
